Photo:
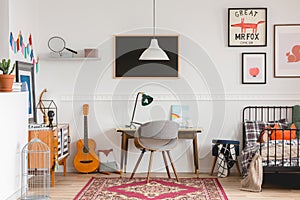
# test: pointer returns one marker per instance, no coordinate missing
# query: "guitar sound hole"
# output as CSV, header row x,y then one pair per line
x,y
85,150
86,161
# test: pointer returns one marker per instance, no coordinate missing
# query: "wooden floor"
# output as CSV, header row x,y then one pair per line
x,y
275,187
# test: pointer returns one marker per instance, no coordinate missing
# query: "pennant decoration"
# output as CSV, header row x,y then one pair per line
x,y
30,40
25,53
11,39
22,49
31,56
37,65
19,45
21,40
15,47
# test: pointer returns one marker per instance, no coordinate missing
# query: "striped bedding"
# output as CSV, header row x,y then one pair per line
x,y
287,153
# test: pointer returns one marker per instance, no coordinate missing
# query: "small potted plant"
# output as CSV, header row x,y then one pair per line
x,y
6,78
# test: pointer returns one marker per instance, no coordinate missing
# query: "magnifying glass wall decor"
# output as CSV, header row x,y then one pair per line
x,y
58,44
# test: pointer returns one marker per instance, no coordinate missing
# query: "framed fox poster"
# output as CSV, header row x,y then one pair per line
x,y
247,27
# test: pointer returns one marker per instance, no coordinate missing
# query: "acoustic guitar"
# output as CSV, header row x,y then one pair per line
x,y
86,160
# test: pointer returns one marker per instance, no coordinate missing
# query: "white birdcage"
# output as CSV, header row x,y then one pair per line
x,y
35,170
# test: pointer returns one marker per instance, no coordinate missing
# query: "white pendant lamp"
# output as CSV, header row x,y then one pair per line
x,y
154,52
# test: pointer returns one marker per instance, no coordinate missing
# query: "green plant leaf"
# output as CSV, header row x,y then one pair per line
x,y
11,71
4,66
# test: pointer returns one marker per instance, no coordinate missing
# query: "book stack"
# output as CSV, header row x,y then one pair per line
x,y
17,87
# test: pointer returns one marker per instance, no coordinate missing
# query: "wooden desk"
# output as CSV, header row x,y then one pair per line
x,y
188,133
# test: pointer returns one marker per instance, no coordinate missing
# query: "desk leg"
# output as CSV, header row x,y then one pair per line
x,y
196,160
125,152
124,147
122,152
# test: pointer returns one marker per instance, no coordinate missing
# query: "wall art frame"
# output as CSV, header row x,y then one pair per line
x,y
286,51
128,48
247,27
254,68
25,73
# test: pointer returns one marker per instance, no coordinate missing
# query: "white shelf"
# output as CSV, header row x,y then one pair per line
x,y
70,59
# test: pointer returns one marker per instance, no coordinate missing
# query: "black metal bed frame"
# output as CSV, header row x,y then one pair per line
x,y
266,114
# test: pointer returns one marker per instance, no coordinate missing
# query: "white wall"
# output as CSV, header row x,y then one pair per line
x,y
15,16
23,17
210,76
4,21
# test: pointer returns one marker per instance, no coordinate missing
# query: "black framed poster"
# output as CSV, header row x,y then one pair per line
x,y
254,68
25,73
247,27
128,49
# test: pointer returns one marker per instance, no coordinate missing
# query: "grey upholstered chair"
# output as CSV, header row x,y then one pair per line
x,y
156,136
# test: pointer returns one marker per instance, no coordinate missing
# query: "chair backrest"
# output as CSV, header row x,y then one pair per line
x,y
162,129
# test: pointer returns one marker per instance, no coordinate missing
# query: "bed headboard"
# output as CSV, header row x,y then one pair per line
x,y
266,113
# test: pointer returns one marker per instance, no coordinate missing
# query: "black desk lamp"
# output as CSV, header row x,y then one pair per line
x,y
146,100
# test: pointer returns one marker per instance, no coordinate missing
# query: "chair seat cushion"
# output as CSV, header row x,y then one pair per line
x,y
221,141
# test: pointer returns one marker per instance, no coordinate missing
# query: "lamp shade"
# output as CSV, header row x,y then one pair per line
x,y
146,100
154,52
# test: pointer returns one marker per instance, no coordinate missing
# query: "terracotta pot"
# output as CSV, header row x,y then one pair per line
x,y
6,82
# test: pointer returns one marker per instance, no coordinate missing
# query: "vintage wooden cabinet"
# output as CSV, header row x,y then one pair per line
x,y
58,141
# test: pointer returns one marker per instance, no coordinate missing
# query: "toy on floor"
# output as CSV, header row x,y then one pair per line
x,y
108,162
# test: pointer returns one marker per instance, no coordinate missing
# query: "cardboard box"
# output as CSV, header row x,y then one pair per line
x,y
91,53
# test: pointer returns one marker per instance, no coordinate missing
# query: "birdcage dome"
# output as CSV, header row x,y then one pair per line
x,y
35,145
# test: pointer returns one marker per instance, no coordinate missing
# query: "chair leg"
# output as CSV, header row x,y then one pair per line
x,y
149,167
213,166
166,164
238,168
173,166
137,163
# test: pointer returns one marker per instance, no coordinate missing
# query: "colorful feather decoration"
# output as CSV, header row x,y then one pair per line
x,y
26,49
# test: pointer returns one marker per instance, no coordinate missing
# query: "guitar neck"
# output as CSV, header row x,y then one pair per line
x,y
86,144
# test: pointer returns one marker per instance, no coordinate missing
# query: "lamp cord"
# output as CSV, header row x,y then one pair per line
x,y
153,19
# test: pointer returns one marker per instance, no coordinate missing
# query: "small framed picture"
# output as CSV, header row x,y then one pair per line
x,y
254,68
25,73
286,51
247,27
